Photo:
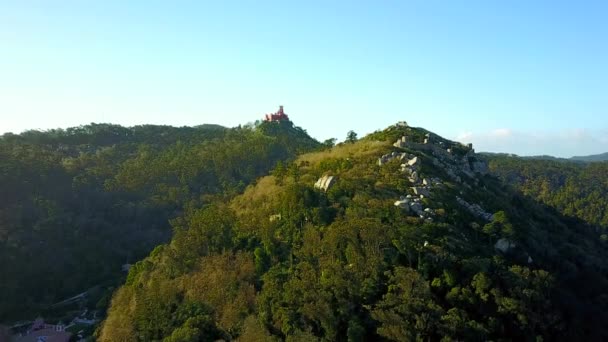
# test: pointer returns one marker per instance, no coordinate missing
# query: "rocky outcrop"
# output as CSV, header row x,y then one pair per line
x,y
390,156
480,167
403,203
454,158
325,182
504,245
475,209
413,162
445,157
421,191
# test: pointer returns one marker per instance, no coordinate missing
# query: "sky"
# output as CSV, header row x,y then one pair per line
x,y
524,77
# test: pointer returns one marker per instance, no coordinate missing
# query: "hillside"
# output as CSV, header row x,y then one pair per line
x,y
574,189
592,158
578,159
77,204
402,235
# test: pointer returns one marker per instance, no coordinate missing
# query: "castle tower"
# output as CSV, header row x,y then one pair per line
x,y
278,116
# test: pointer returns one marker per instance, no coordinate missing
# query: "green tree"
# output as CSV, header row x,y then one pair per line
x,y
407,311
329,143
351,137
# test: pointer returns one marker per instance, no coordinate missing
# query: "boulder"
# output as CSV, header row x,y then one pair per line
x,y
403,204
414,175
504,245
421,191
416,207
325,182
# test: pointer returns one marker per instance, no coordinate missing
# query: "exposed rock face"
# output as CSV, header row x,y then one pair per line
x,y
390,156
504,245
417,208
475,209
403,203
325,182
444,156
480,167
401,142
413,178
421,191
454,158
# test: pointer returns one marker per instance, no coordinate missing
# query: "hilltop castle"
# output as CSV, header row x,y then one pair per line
x,y
278,116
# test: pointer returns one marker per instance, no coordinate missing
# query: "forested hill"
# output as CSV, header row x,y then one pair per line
x,y
592,158
575,189
76,204
401,236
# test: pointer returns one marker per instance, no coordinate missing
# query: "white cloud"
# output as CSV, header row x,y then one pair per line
x,y
501,133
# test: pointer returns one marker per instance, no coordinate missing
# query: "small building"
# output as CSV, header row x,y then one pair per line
x,y
278,116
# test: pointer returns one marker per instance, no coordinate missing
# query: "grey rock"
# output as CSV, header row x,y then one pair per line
x,y
414,161
480,167
416,207
421,191
504,245
325,182
404,204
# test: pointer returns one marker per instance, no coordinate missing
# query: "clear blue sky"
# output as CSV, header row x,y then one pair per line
x,y
528,77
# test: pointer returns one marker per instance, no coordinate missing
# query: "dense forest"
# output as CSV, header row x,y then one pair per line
x,y
77,204
374,240
574,189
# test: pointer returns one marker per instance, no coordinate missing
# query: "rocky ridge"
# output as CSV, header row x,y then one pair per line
x,y
458,161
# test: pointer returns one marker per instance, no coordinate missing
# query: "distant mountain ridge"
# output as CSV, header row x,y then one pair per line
x,y
592,158
586,159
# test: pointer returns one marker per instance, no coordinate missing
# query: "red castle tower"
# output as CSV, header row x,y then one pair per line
x,y
278,116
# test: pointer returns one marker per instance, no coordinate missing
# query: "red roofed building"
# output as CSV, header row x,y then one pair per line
x,y
278,116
